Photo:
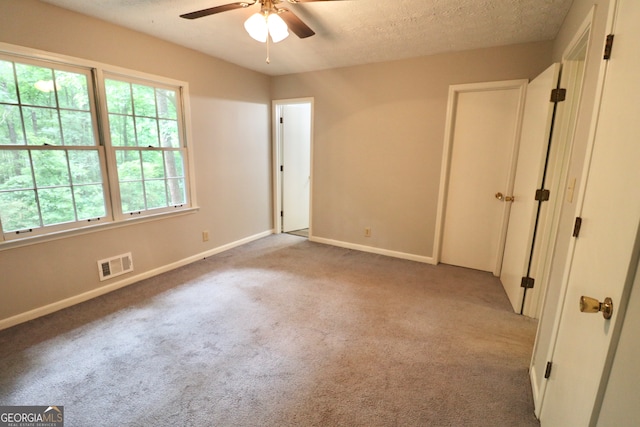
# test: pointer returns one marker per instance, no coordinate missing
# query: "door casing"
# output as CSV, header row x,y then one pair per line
x,y
454,92
277,159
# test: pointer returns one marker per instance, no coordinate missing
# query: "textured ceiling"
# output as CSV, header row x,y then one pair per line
x,y
348,32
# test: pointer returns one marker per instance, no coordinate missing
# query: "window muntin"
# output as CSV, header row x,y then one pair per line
x,y
51,168
148,150
67,161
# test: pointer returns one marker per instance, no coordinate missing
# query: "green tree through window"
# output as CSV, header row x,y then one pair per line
x,y
58,173
143,121
47,143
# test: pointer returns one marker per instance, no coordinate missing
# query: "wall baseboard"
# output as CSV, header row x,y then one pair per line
x,y
371,249
77,299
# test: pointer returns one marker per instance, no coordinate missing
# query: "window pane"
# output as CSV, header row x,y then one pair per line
x,y
8,91
132,196
156,194
167,104
56,205
128,163
174,164
19,210
36,85
11,126
85,167
72,90
42,126
118,96
144,101
89,201
122,131
15,170
50,168
153,166
169,133
147,131
177,194
77,128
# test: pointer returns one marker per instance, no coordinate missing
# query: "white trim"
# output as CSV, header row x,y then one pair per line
x,y
595,115
371,249
77,299
43,238
276,159
454,90
573,81
96,71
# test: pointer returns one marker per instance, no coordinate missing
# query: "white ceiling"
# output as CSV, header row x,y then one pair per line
x,y
348,32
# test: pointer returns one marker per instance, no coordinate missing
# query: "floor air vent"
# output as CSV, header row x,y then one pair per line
x,y
115,266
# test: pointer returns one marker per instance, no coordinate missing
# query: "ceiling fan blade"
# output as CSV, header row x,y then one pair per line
x,y
295,24
217,9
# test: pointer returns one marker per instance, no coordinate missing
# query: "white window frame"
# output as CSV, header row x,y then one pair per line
x,y
114,217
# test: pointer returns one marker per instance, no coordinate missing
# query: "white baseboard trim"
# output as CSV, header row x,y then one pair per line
x,y
535,390
371,249
77,299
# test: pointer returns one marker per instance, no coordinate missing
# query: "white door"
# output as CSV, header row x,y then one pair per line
x,y
296,165
483,126
536,131
602,263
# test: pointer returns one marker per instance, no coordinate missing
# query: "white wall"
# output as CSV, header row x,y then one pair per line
x,y
230,110
379,134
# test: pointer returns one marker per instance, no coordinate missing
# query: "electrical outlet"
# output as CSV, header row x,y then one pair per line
x,y
367,232
205,236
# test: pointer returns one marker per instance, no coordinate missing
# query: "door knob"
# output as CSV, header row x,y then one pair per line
x,y
501,197
592,305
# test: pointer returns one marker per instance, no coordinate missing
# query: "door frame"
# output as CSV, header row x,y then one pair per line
x,y
572,79
546,253
581,194
276,146
454,92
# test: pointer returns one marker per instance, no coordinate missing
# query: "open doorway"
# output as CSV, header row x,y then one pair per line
x,y
293,130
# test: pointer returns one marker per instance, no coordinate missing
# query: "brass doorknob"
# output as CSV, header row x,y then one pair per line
x,y
592,305
501,197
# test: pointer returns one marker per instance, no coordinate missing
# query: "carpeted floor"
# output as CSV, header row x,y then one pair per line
x,y
301,233
282,332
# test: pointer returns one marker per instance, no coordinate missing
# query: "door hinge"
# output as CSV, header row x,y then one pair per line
x,y
281,120
547,371
281,168
281,213
542,195
558,95
608,46
576,226
527,282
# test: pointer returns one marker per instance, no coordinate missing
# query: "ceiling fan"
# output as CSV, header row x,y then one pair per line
x,y
271,21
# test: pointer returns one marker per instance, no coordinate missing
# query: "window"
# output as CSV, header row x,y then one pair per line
x,y
64,166
145,137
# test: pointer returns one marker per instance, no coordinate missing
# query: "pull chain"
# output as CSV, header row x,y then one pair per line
x,y
268,60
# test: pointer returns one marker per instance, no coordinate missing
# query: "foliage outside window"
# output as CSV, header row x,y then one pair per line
x,y
144,131
57,172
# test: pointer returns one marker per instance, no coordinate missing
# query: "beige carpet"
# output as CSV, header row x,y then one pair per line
x,y
282,332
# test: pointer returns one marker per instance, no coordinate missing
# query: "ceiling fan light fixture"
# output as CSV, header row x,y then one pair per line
x,y
261,25
257,27
278,29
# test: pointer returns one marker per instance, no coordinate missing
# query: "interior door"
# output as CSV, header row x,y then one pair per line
x,y
484,133
296,165
532,155
604,251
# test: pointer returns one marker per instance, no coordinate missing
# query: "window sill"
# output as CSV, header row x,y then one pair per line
x,y
43,238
